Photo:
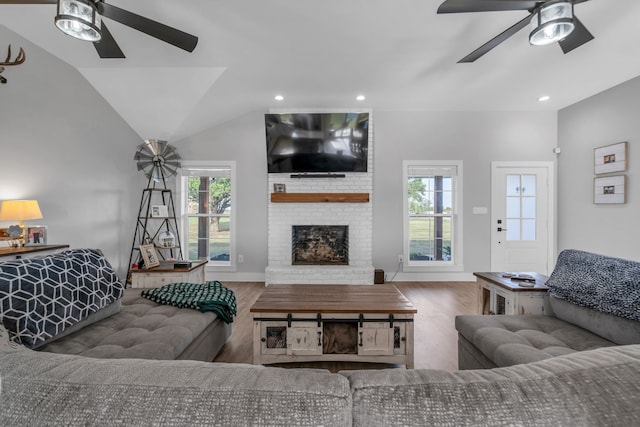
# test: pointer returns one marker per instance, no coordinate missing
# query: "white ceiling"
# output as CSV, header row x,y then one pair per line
x,y
321,54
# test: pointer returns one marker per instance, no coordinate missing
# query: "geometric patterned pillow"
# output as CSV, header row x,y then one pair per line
x,y
41,297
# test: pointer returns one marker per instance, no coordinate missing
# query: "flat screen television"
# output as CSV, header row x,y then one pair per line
x,y
317,142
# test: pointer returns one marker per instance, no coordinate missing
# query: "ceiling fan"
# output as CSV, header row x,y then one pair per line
x,y
82,19
550,20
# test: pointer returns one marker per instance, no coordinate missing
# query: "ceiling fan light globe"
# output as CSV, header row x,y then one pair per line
x,y
551,23
78,19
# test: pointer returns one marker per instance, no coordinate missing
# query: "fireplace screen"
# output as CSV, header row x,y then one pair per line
x,y
320,245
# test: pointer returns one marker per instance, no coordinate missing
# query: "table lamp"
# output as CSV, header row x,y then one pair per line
x,y
20,210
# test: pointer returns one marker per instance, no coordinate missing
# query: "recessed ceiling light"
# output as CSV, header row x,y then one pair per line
x,y
360,97
544,98
279,98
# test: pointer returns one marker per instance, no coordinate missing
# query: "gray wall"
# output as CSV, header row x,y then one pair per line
x,y
242,140
63,145
474,137
73,153
607,118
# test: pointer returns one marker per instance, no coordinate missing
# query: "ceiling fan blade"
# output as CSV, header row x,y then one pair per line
x,y
154,29
107,46
496,40
579,36
460,6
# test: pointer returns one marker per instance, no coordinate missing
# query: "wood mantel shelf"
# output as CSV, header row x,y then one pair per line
x,y
320,197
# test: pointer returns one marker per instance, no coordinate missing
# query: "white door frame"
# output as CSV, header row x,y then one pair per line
x,y
551,205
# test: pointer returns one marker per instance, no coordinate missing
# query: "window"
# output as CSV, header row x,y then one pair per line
x,y
433,223
521,207
207,194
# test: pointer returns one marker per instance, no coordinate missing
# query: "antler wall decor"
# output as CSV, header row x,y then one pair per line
x,y
19,60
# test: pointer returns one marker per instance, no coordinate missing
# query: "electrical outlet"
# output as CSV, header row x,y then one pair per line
x,y
400,258
240,258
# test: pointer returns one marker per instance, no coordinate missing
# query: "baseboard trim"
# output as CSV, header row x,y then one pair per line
x,y
400,277
432,277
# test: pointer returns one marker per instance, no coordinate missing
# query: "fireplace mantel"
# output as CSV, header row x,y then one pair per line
x,y
319,197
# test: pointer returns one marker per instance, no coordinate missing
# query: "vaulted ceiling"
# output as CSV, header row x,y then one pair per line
x,y
320,54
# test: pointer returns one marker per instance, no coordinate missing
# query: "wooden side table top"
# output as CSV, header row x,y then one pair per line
x,y
23,250
167,266
333,299
514,285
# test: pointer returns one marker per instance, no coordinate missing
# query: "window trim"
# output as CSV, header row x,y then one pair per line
x,y
457,218
231,265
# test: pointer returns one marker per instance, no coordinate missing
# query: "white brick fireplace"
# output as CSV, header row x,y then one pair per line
x,y
357,216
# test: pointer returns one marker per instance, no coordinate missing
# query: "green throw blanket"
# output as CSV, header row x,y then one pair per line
x,y
210,296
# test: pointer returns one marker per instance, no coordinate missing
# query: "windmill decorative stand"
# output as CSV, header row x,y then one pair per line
x,y
158,160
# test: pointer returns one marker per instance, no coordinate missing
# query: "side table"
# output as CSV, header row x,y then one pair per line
x,y
9,254
506,295
165,273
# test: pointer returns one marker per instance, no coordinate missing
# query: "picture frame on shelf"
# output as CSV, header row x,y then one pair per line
x,y
35,235
149,256
609,189
159,211
610,158
279,188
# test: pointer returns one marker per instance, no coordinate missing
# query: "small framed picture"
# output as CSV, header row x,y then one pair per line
x,y
610,158
149,256
35,235
609,189
279,188
159,211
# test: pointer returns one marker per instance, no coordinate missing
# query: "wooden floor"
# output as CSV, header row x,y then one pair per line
x,y
435,336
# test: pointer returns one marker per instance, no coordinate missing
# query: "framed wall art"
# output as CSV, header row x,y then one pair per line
x,y
610,158
149,255
609,189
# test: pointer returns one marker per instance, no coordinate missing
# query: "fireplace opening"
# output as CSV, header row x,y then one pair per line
x,y
320,245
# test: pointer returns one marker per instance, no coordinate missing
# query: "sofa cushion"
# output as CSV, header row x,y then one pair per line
x,y
103,313
143,329
41,297
617,329
606,284
509,340
45,389
592,388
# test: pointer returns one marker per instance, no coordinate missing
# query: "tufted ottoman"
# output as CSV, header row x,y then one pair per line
x,y
146,330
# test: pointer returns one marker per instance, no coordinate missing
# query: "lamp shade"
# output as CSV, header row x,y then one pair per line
x,y
79,19
19,210
552,22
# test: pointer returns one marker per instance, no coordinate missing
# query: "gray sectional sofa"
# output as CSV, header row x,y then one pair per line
x,y
73,302
575,387
595,301
591,388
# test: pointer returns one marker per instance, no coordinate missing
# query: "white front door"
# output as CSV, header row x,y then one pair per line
x,y
522,232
